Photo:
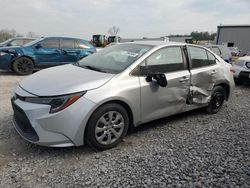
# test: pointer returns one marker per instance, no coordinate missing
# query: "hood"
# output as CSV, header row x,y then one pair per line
x,y
10,48
65,79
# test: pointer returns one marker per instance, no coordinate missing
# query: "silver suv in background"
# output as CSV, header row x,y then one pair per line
x,y
241,70
98,99
221,51
234,51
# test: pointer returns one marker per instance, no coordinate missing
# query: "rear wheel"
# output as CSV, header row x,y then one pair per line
x,y
107,126
217,100
23,66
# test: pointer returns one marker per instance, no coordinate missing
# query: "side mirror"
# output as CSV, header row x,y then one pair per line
x,y
160,78
38,46
9,44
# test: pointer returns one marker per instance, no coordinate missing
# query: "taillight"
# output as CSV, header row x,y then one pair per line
x,y
232,70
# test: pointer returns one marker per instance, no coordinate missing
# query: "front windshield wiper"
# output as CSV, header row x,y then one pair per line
x,y
92,68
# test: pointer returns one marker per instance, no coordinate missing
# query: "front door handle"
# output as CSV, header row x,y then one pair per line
x,y
184,79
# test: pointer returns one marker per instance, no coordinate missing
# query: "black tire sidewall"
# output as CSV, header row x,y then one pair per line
x,y
90,129
16,70
209,108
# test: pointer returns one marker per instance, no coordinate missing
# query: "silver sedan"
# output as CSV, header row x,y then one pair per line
x,y
98,99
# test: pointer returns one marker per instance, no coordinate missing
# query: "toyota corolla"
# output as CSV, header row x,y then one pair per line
x,y
97,99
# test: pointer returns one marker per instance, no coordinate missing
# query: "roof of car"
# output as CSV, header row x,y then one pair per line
x,y
24,38
156,43
212,45
63,38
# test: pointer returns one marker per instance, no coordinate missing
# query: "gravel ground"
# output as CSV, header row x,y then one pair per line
x,y
187,150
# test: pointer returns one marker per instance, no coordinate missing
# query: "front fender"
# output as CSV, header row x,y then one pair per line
x,y
79,138
6,60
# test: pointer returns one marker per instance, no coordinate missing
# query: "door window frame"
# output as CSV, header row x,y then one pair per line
x,y
135,71
217,48
190,59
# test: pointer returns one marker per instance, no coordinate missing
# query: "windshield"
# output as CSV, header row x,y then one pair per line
x,y
32,42
114,59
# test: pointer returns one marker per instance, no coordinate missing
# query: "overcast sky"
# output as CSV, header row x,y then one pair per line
x,y
136,18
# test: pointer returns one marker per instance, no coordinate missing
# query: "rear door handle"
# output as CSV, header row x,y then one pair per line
x,y
213,72
184,79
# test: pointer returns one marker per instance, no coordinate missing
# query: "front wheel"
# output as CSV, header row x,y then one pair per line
x,y
217,100
107,126
23,66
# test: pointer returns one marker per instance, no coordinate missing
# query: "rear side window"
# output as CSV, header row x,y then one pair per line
x,y
67,43
165,60
211,58
17,42
198,57
83,44
50,43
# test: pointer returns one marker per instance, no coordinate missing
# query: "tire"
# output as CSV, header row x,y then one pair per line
x,y
238,81
23,66
107,126
217,100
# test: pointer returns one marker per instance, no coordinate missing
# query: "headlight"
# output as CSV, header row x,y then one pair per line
x,y
57,103
248,65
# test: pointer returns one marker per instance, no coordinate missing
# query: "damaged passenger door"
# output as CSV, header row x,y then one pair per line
x,y
204,71
165,81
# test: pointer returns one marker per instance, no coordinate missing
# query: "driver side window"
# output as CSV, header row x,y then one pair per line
x,y
50,43
165,60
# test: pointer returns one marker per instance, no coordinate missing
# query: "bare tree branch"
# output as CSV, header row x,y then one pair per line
x,y
113,31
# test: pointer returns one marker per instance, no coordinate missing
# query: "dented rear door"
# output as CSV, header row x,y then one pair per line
x,y
204,71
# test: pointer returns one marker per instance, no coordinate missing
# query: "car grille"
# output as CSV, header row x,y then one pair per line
x,y
244,74
23,124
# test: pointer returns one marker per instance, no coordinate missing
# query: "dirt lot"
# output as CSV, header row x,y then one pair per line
x,y
187,150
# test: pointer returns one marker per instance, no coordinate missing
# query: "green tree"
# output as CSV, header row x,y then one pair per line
x,y
198,36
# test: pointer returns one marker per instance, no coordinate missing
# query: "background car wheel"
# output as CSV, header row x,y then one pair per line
x,y
217,100
107,126
23,66
238,81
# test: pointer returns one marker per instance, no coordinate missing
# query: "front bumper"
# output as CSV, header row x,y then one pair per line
x,y
65,128
242,73
244,76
